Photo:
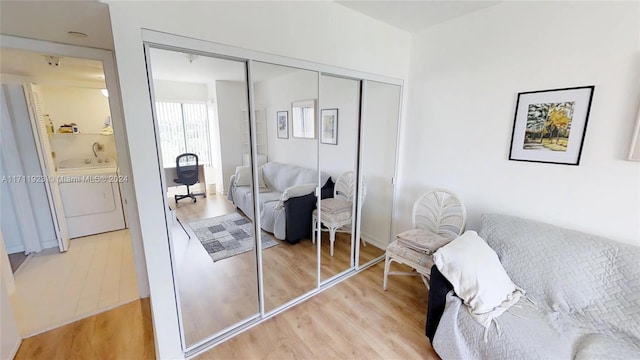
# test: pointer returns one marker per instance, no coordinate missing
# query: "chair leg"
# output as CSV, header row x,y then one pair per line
x,y
314,223
387,264
332,237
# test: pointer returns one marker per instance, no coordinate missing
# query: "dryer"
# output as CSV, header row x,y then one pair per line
x,y
90,192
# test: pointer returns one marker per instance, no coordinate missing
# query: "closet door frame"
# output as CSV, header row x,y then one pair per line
x,y
161,40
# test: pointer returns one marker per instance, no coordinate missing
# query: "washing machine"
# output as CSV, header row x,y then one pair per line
x,y
90,192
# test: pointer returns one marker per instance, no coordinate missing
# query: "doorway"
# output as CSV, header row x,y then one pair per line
x,y
62,190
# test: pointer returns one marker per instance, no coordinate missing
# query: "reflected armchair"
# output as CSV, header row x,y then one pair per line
x,y
337,212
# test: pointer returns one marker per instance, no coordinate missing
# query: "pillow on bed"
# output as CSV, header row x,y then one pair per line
x,y
477,276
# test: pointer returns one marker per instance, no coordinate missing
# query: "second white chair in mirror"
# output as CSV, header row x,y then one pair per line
x,y
337,212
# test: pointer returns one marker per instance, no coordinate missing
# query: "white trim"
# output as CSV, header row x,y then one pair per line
x,y
375,241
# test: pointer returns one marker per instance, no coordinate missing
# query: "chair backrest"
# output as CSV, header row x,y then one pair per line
x,y
440,211
187,168
344,187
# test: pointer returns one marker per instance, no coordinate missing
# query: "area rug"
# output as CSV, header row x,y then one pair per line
x,y
228,235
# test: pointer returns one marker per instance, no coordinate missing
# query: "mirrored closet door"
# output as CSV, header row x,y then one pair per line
x,y
277,179
338,131
288,178
378,144
201,123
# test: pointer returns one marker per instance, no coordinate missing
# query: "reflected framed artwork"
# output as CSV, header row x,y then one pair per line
x,y
550,125
282,121
329,126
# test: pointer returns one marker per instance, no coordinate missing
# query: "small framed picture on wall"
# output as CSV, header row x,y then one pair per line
x,y
282,121
329,126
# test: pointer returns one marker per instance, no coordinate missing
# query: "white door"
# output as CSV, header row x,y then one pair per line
x,y
40,134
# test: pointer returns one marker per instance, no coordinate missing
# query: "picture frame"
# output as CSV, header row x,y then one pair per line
x,y
282,124
549,126
329,118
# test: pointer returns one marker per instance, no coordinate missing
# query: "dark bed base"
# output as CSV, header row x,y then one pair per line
x,y
438,290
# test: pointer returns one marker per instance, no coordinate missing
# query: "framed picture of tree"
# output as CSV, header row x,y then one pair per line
x,y
550,125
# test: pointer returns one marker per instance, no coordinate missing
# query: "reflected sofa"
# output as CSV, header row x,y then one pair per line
x,y
286,200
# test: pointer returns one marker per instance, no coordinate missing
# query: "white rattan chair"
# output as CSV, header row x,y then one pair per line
x,y
439,211
340,221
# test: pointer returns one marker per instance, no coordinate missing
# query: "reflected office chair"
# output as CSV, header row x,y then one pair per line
x,y
188,173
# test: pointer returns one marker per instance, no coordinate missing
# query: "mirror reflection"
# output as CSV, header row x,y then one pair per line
x,y
339,120
202,123
304,120
378,161
289,176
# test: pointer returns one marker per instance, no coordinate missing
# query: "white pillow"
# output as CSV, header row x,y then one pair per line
x,y
243,176
477,276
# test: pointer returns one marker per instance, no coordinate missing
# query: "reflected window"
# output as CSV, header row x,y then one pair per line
x,y
304,125
184,127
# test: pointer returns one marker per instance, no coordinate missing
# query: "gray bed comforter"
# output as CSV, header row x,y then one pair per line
x,y
586,289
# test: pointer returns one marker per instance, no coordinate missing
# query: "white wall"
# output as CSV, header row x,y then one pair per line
x,y
276,94
179,91
465,77
231,99
316,31
86,107
10,339
344,95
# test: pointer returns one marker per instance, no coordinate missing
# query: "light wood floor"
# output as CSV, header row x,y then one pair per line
x,y
125,332
355,319
226,291
53,288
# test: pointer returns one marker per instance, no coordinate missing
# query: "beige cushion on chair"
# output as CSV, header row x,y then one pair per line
x,y
422,240
334,205
409,256
333,218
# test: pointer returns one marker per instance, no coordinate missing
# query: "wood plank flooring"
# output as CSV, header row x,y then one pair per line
x,y
226,291
355,319
125,332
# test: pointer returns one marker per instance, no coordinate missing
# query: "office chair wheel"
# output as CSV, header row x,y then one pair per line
x,y
194,200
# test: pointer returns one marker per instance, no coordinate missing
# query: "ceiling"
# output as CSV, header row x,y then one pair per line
x,y
175,66
30,66
414,16
51,20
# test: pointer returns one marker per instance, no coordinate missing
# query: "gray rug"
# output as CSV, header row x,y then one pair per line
x,y
228,235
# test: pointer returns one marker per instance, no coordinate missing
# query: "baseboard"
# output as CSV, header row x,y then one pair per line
x,y
15,249
16,347
49,244
379,243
